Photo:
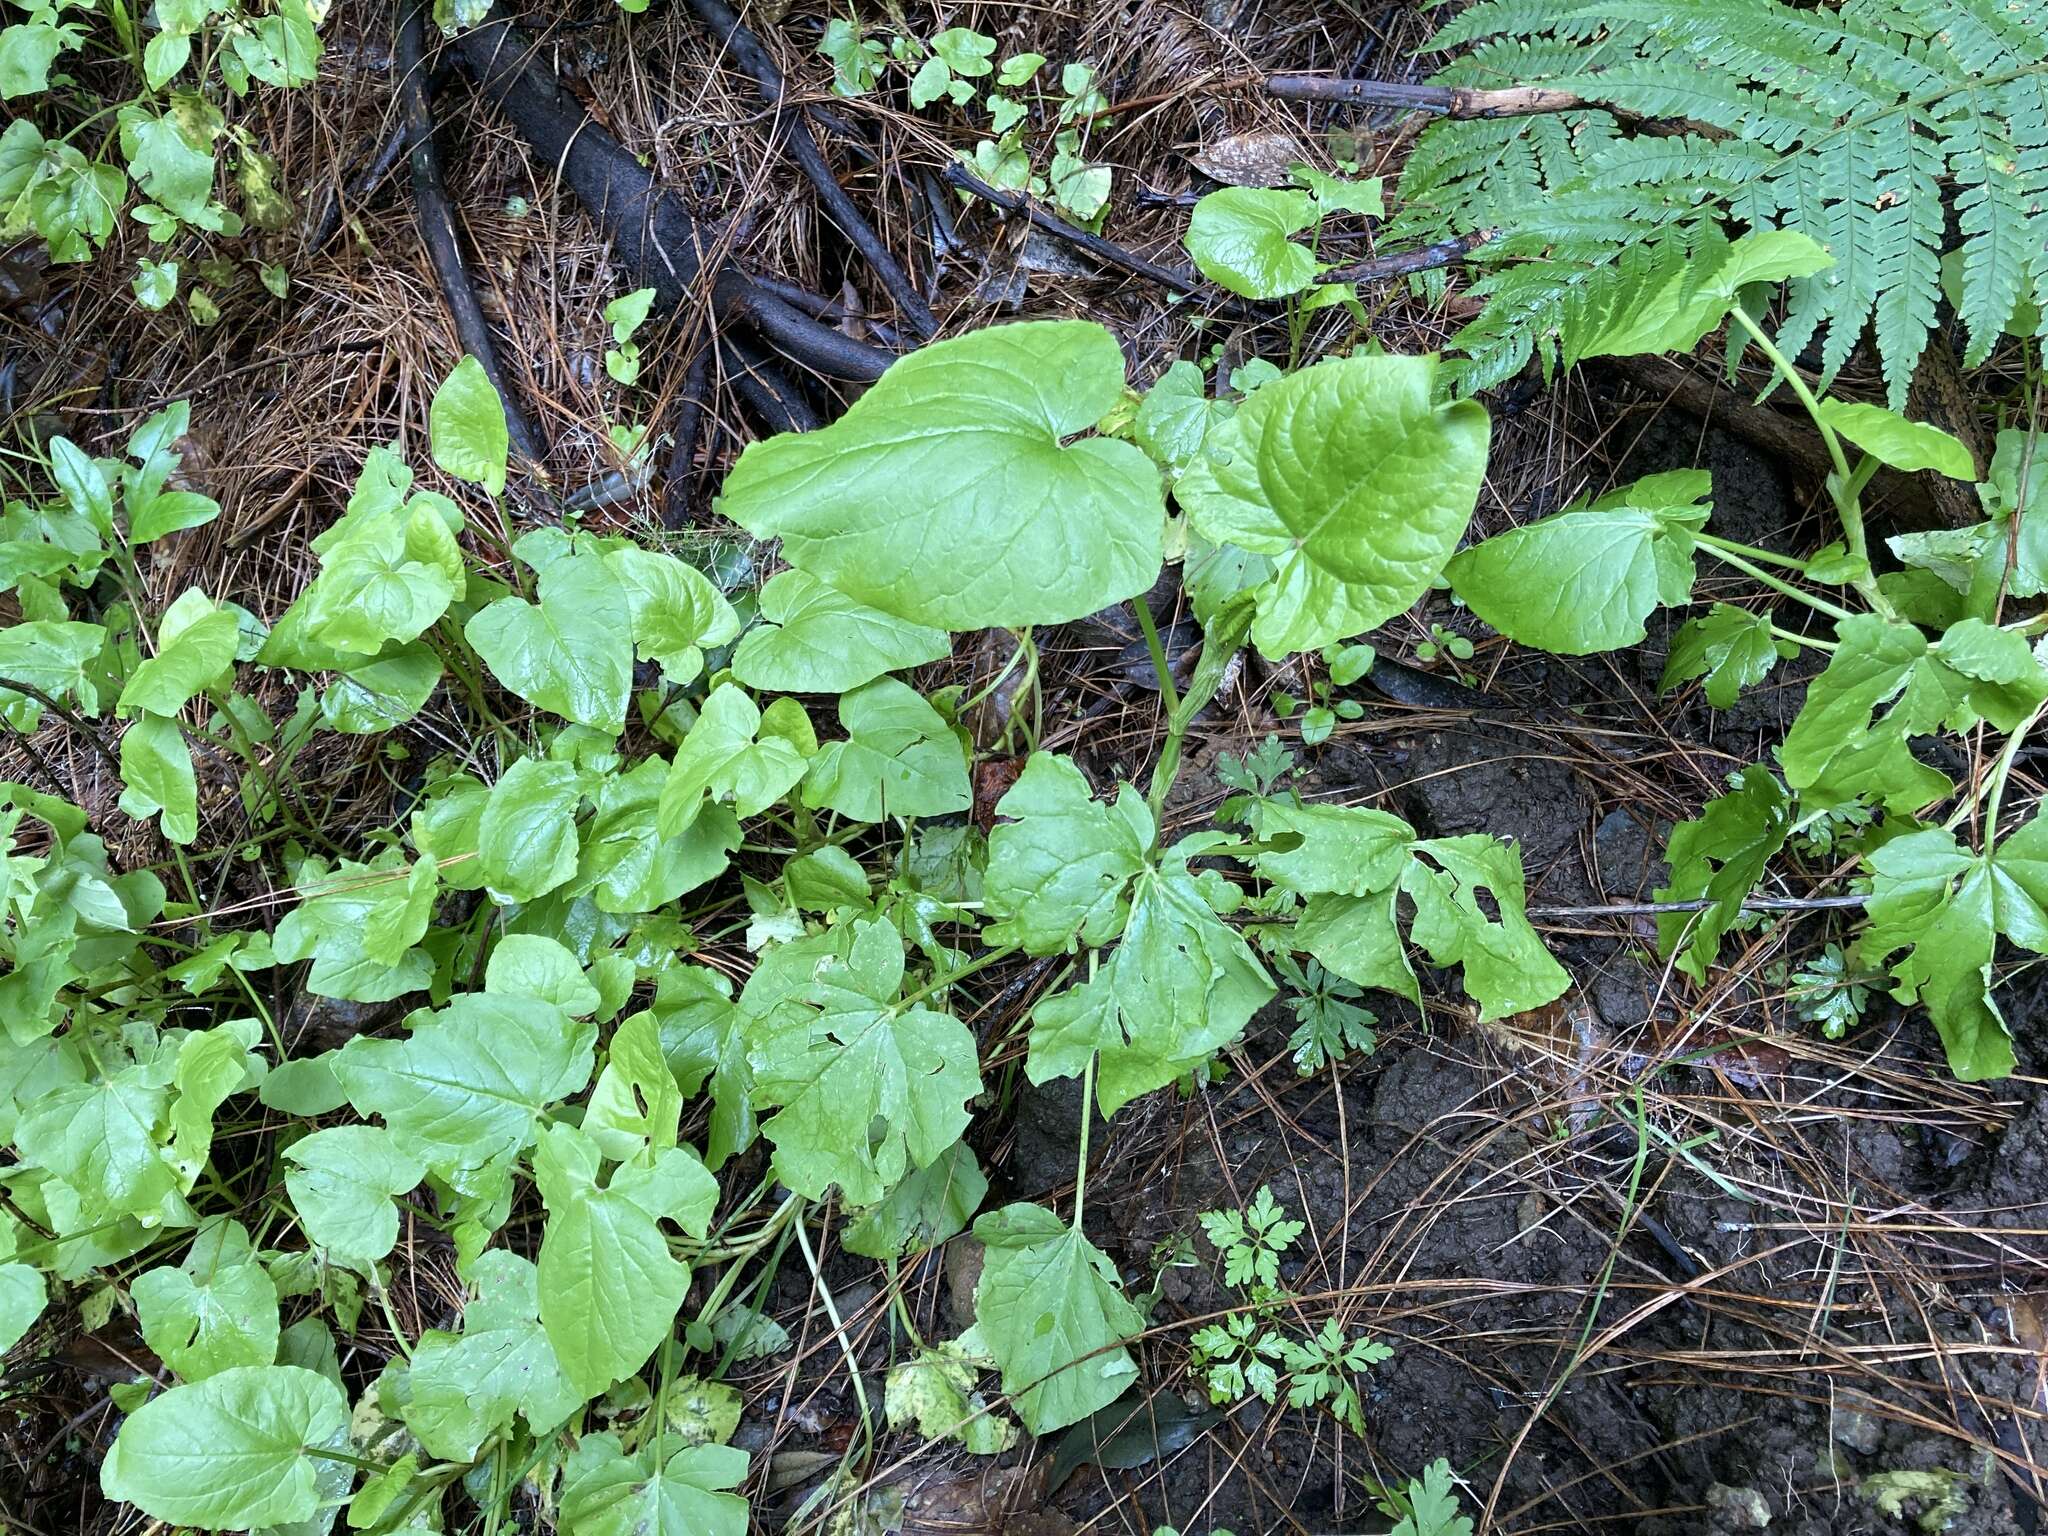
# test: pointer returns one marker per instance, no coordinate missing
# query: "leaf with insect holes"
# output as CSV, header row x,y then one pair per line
x,y
1587,580
466,429
844,1058
609,1287
1051,1312
464,1386
703,1042
900,758
234,1451
815,639
1358,481
950,494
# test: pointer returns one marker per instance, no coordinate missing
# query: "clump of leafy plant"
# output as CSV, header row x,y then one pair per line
x,y
1245,1354
958,66
171,145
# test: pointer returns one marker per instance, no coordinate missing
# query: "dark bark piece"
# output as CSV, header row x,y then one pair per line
x,y
654,233
437,222
1440,100
682,459
726,25
1444,253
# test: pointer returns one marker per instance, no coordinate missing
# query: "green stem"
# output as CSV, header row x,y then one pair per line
x,y
860,1391
940,983
1758,573
1087,1103
1843,485
1999,773
1167,692
1750,552
1805,640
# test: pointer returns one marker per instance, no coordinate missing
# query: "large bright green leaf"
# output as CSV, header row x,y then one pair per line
x,y
945,495
342,1182
609,1287
1356,478
900,758
572,653
526,839
1351,850
1050,1310
627,865
1586,580
815,639
867,1089
194,645
466,427
636,1105
726,756
1673,315
51,655
1945,907
1058,867
388,579
105,1140
930,1205
677,614
231,1452
156,776
605,1492
212,1313
466,1385
383,693
703,1041
464,1092
1891,439
1506,968
1241,237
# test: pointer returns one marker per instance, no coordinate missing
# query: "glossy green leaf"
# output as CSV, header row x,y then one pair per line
x,y
1058,865
636,1105
195,644
358,924
215,1311
1176,416
389,579
1355,478
466,427
1721,855
231,1452
156,777
526,838
1584,580
464,1092
1891,439
1240,237
533,965
899,759
1051,1312
383,693
949,495
1936,911
815,639
704,1043
609,1287
1672,316
52,655
605,1492
1347,849
1506,968
466,1385
865,1088
1731,648
676,613
342,1182
572,653
727,757
23,1295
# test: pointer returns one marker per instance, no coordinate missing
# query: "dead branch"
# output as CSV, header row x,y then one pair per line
x,y
1438,100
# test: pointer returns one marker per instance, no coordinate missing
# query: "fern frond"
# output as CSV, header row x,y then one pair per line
x,y
1857,124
